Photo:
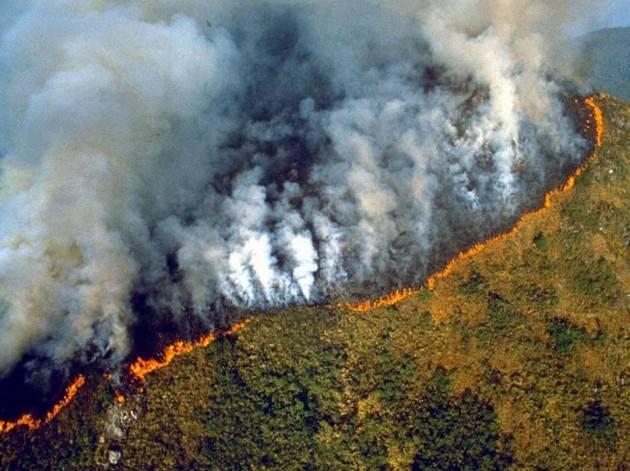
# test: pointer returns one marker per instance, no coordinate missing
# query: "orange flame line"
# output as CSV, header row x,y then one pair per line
x,y
386,301
141,367
400,295
32,423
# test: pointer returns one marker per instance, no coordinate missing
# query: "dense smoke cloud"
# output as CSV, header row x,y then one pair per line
x,y
208,155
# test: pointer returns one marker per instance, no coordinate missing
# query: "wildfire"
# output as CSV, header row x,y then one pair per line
x,y
399,295
141,367
32,423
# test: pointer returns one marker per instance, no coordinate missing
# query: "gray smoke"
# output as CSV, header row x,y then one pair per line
x,y
210,155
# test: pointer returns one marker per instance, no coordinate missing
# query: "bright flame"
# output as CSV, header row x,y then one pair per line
x,y
598,116
386,301
141,367
32,423
399,295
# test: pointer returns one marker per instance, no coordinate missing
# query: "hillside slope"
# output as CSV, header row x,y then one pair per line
x,y
606,61
520,358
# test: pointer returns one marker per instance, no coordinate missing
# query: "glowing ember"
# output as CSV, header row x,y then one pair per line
x,y
400,295
141,367
120,398
32,423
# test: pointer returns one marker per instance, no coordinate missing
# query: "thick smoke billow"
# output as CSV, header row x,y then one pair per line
x,y
206,156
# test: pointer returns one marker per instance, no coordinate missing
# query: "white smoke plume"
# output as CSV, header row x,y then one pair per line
x,y
208,155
